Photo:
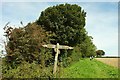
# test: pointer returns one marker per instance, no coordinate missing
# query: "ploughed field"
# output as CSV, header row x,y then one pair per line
x,y
110,61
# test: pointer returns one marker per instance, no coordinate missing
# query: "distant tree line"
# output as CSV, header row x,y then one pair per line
x,y
100,53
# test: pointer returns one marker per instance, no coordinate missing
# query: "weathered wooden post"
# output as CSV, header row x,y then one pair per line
x,y
56,58
56,49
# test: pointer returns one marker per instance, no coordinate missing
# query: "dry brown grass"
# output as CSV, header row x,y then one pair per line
x,y
110,61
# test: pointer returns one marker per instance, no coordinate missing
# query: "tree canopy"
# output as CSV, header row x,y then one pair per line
x,y
66,21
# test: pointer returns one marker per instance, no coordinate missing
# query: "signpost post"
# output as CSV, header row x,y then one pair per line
x,y
56,49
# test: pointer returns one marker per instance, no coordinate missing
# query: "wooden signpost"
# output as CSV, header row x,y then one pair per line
x,y
56,49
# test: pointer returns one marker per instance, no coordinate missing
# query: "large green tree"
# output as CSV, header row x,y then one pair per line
x,y
66,21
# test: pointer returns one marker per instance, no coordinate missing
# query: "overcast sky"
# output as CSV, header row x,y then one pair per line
x,y
101,20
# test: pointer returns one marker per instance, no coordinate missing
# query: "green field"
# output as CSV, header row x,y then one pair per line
x,y
88,69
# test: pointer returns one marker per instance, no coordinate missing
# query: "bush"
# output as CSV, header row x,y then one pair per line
x,y
28,70
25,44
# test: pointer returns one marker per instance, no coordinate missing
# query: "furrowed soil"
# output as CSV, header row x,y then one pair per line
x,y
110,61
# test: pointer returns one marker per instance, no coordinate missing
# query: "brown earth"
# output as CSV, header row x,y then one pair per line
x,y
110,61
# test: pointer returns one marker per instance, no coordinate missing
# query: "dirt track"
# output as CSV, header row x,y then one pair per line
x,y
110,61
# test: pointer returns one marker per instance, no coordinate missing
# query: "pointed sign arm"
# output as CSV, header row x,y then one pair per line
x,y
60,46
49,46
65,47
